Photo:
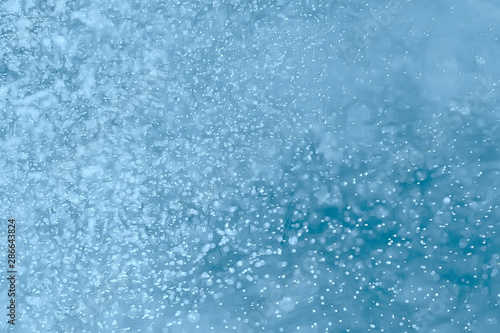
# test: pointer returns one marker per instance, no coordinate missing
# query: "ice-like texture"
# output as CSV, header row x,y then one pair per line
x,y
252,166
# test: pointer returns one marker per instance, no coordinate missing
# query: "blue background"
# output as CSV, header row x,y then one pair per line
x,y
252,166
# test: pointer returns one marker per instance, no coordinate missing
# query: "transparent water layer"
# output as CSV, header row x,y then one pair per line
x,y
251,166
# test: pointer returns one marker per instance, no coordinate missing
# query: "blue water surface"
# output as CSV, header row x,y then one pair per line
x,y
251,166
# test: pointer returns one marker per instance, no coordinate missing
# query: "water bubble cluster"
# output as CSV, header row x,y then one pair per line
x,y
226,166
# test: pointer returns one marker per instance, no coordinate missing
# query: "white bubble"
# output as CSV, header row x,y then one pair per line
x,y
193,317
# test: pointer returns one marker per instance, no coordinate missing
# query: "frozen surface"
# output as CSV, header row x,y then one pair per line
x,y
252,166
